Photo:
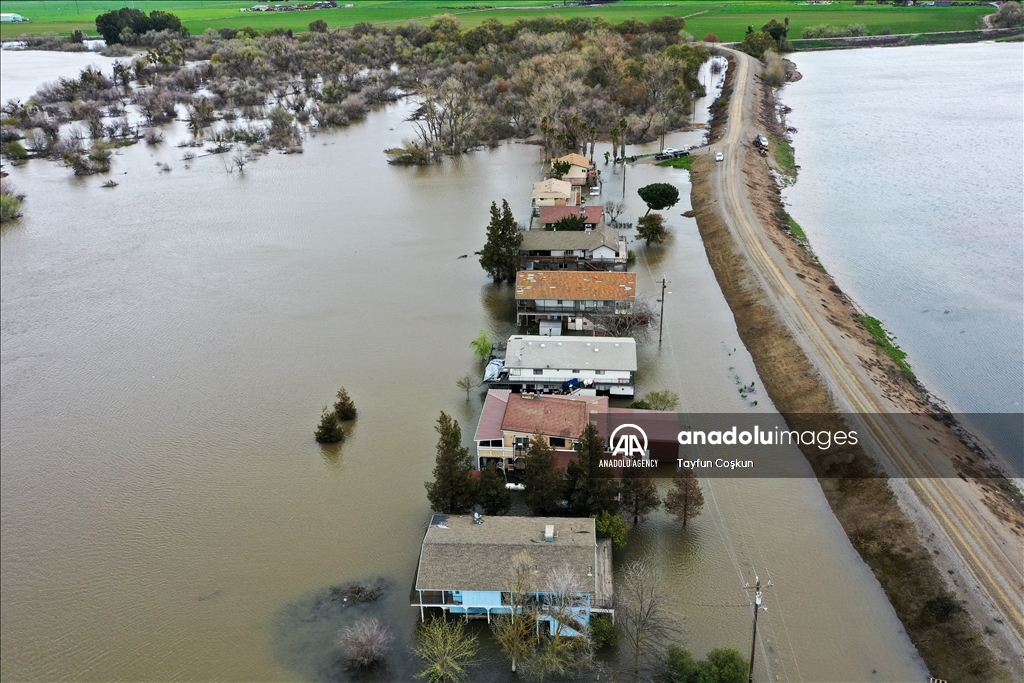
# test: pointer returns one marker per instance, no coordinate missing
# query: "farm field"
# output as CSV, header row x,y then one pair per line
x,y
728,21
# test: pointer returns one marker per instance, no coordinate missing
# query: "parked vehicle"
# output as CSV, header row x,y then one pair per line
x,y
719,156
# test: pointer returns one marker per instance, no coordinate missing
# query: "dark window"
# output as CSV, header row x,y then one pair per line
x,y
538,371
598,372
556,442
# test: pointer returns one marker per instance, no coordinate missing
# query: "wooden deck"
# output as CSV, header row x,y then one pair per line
x,y
604,599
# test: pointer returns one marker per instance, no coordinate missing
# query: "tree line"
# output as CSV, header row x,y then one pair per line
x,y
571,81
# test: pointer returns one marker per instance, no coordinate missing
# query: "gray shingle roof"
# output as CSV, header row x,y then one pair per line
x,y
460,555
571,240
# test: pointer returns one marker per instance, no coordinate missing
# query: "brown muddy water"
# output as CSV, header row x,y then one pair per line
x,y
167,346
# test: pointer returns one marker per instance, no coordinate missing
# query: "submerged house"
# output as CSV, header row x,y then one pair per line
x,y
572,297
465,561
535,363
509,420
599,249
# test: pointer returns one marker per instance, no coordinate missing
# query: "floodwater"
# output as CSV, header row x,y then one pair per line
x,y
909,189
167,346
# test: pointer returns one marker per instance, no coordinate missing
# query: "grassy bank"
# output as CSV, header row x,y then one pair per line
x,y
944,633
728,21
785,158
887,342
681,162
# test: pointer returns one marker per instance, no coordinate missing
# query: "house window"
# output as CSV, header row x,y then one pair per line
x,y
598,372
556,442
559,302
522,442
538,371
575,372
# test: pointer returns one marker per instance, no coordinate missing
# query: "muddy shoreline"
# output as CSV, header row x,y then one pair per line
x,y
860,496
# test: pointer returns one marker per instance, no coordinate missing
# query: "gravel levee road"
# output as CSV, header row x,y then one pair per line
x,y
978,538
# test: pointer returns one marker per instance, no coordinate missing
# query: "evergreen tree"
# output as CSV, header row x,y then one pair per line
x,y
491,494
453,490
685,499
329,430
639,494
344,406
651,228
500,256
544,479
591,492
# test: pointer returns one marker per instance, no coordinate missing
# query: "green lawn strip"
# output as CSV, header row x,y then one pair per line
x,y
728,21
681,162
887,342
784,156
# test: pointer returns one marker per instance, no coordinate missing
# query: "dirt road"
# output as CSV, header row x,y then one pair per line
x,y
985,552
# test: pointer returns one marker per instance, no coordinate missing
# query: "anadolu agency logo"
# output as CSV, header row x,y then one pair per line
x,y
628,446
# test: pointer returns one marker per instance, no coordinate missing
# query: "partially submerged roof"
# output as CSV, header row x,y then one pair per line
x,y
572,353
576,285
574,159
553,214
564,416
552,189
569,240
460,555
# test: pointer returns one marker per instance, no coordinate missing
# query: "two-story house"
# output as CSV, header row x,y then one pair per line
x,y
509,420
465,568
536,363
553,192
573,297
599,249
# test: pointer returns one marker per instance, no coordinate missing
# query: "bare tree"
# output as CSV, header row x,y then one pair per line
x,y
515,631
467,383
685,499
646,624
637,322
365,643
239,160
613,210
446,118
567,648
447,648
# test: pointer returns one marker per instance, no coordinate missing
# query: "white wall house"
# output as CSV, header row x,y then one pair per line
x,y
536,363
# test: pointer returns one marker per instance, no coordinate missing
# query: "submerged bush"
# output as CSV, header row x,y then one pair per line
x,y
365,643
10,202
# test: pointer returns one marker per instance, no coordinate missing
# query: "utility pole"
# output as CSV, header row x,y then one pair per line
x,y
757,608
661,316
623,177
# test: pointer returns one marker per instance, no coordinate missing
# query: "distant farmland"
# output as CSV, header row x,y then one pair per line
x,y
728,21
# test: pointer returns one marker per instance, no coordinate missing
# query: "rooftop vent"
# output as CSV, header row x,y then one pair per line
x,y
549,533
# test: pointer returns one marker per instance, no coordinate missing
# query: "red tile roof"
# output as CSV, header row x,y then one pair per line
x,y
576,285
550,415
553,214
489,426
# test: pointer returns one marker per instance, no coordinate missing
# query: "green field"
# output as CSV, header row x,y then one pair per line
x,y
728,21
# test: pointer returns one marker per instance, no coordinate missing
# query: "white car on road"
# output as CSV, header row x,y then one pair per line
x,y
719,156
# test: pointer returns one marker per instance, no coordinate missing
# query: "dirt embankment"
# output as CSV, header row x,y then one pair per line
x,y
946,636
